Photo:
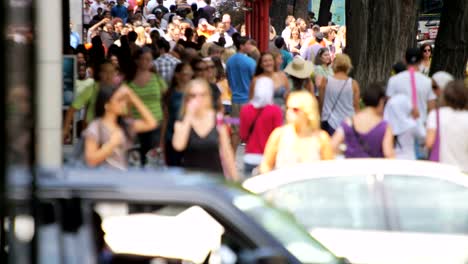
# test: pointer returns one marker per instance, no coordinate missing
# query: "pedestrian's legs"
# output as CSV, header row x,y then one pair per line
x,y
235,139
148,141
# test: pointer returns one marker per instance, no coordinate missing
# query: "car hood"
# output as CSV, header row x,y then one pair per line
x,y
375,247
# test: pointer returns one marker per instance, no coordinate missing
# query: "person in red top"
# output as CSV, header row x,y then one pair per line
x,y
258,119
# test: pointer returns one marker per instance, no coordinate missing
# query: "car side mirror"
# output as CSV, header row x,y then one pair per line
x,y
262,256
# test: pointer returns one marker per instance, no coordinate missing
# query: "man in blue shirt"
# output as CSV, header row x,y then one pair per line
x,y
240,70
120,11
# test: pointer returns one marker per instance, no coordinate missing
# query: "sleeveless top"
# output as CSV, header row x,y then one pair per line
x,y
344,103
364,145
293,150
202,153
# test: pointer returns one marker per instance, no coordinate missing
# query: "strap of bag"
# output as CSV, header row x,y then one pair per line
x,y
414,94
252,126
336,101
361,142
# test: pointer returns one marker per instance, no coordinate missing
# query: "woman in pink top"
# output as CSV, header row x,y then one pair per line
x,y
257,120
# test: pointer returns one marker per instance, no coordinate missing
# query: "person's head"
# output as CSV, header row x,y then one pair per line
x,y
220,72
107,14
266,64
263,93
456,95
120,2
440,80
129,26
398,67
172,8
319,36
323,57
374,96
118,27
215,51
183,73
220,28
80,58
132,36
194,7
243,45
160,2
227,53
280,43
114,60
413,56
278,59
203,23
199,67
198,92
81,71
301,24
426,50
208,2
342,63
141,36
289,20
109,27
143,59
331,34
302,110
227,20
175,34
315,29
106,74
112,100
295,33
210,73
99,10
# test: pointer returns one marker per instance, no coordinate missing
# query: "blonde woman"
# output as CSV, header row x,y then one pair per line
x,y
295,42
203,139
141,39
299,141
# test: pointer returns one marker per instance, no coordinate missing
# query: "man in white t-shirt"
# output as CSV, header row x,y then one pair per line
x,y
401,84
98,4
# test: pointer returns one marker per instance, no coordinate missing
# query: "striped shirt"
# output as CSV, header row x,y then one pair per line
x,y
151,95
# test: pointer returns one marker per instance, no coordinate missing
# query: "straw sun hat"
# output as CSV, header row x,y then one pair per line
x,y
299,68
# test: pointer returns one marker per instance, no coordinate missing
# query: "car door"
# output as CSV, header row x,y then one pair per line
x,y
350,202
426,204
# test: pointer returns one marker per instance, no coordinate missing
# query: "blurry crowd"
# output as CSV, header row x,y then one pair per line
x,y
182,83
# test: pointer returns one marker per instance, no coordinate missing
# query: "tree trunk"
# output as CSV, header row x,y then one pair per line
x,y
278,13
451,46
301,9
378,34
324,12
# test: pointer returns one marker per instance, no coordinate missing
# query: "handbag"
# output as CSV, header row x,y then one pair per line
x,y
325,125
435,151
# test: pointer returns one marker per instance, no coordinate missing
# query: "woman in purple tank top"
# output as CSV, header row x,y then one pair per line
x,y
367,135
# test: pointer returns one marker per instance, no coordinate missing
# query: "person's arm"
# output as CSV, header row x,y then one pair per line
x,y
181,133
337,139
326,148
227,153
431,130
387,144
67,122
321,84
271,149
356,96
245,123
310,87
164,126
95,26
252,88
147,121
95,154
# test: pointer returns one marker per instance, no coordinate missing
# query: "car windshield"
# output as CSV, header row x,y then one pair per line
x,y
283,227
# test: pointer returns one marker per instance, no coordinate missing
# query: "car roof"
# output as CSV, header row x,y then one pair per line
x,y
354,167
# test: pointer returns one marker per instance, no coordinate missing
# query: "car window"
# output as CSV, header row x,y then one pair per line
x,y
423,204
337,202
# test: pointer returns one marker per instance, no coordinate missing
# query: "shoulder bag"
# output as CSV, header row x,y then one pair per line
x,y
325,125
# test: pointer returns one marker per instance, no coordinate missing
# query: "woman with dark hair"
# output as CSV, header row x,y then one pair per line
x,y
366,134
97,54
426,51
150,87
448,125
108,138
322,63
173,99
223,85
267,67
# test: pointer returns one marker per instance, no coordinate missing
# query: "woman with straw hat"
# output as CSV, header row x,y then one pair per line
x,y
299,72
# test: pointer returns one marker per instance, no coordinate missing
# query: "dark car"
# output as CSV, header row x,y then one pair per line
x,y
76,207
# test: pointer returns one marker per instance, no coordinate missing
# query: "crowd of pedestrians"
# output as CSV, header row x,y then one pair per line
x,y
183,82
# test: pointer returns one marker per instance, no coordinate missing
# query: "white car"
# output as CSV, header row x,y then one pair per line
x,y
377,211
